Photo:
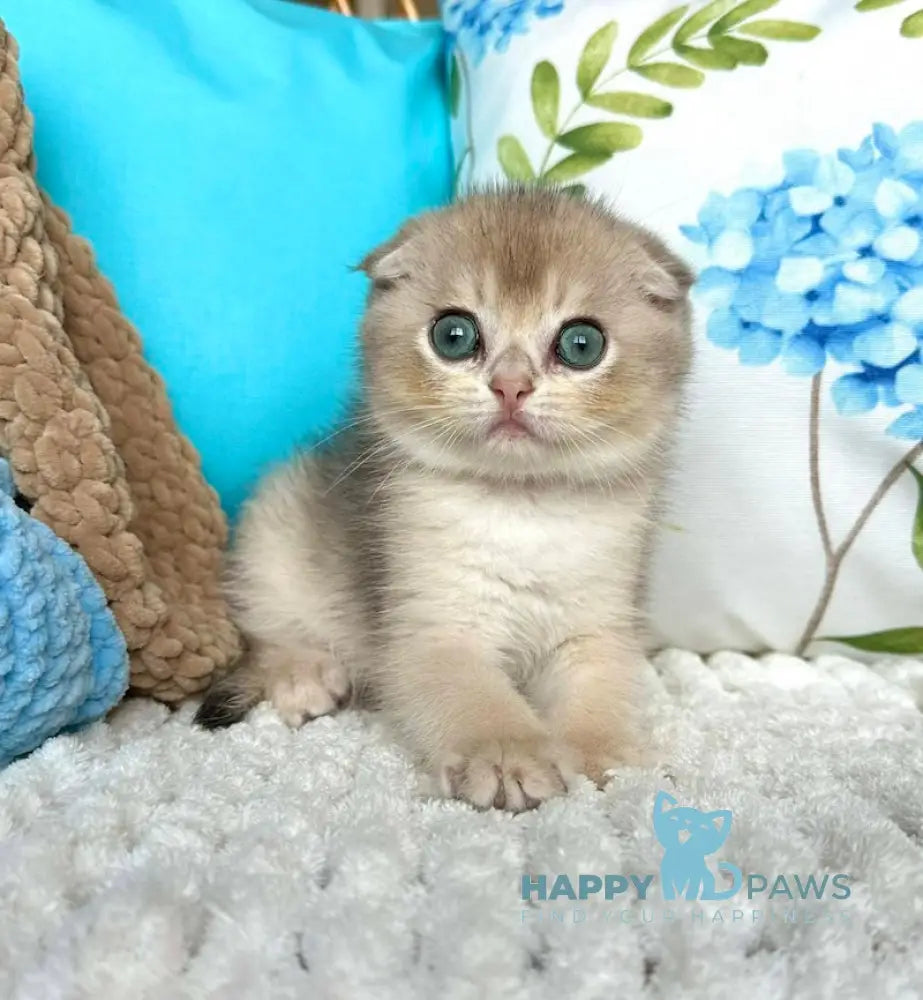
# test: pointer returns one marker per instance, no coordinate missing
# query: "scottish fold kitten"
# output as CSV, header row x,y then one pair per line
x,y
469,547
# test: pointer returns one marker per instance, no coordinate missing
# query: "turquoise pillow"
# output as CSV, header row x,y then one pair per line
x,y
230,161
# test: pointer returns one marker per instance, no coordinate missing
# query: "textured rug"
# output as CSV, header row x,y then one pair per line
x,y
144,858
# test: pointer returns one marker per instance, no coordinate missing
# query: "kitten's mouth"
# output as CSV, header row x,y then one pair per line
x,y
510,428
683,836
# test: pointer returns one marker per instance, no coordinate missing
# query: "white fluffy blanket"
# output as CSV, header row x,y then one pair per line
x,y
144,858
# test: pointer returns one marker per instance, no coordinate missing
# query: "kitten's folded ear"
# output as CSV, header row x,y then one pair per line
x,y
665,278
392,260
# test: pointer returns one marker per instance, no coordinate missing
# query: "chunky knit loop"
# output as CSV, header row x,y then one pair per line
x,y
90,437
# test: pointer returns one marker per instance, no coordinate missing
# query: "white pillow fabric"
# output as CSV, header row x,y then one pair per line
x,y
793,182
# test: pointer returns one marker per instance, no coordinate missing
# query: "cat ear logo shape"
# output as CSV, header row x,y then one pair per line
x,y
688,836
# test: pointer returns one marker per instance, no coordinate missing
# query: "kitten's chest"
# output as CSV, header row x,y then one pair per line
x,y
545,547
522,563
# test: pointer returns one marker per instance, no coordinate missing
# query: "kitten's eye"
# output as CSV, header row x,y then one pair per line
x,y
580,345
455,336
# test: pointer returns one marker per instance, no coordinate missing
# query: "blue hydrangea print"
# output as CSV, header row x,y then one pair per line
x,y
827,265
482,25
823,272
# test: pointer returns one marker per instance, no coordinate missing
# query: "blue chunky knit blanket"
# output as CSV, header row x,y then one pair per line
x,y
63,661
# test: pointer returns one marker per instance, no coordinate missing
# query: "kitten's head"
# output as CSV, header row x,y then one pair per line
x,y
679,826
526,334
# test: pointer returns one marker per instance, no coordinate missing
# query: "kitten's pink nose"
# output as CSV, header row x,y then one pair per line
x,y
511,390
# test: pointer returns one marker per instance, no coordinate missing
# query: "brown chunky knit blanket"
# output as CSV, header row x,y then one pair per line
x,y
87,428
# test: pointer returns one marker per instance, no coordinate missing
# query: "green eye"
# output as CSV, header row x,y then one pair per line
x,y
580,345
455,336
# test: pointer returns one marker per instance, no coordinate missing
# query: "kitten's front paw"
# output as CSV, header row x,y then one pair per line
x,y
506,774
307,686
598,758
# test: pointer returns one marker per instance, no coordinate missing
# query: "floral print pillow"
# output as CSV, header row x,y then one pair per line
x,y
778,144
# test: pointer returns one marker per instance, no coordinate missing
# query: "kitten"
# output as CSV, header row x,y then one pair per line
x,y
470,546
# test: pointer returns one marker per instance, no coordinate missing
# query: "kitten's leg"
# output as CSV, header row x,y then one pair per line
x,y
301,682
588,696
481,739
292,597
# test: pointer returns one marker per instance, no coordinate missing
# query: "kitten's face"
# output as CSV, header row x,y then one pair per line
x,y
525,335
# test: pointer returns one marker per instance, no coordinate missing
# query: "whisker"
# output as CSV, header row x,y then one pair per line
x,y
625,473
367,418
379,448
357,463
401,467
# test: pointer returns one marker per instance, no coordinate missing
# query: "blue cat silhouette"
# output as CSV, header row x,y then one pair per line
x,y
687,836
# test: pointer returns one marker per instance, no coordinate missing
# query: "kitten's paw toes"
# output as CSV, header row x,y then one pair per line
x,y
504,774
598,759
314,685
599,769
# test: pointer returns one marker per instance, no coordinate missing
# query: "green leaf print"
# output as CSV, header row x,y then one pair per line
x,y
606,137
783,31
594,57
656,33
906,641
742,12
746,53
864,5
912,26
696,39
629,102
575,165
514,160
700,20
546,97
671,74
707,58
